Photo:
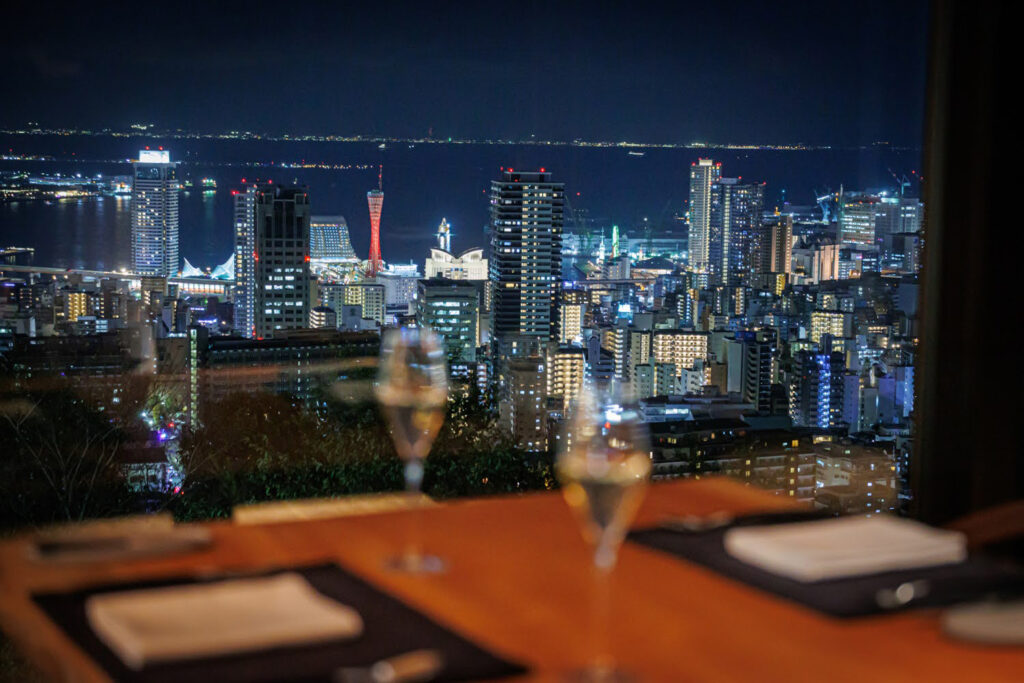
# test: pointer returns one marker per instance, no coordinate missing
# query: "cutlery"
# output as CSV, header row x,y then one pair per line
x,y
903,594
107,546
416,666
721,519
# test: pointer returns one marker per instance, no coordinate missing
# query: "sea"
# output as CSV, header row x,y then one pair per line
x,y
422,183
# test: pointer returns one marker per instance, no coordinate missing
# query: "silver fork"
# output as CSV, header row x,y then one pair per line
x,y
417,666
903,594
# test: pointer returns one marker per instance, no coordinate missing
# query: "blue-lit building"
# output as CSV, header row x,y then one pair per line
x,y
816,389
155,214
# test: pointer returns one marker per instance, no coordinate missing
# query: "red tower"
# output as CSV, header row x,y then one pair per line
x,y
375,198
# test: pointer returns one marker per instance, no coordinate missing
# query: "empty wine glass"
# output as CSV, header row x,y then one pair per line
x,y
604,468
412,389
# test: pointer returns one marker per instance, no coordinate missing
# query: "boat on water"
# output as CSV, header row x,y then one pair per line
x,y
636,154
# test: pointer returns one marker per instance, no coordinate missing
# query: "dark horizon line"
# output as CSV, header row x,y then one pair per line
x,y
178,133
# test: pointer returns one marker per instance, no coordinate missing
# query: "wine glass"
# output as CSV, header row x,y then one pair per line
x,y
412,389
604,468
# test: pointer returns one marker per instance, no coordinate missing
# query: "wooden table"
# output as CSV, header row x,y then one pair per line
x,y
519,584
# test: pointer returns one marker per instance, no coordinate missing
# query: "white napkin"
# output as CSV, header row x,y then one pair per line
x,y
849,546
201,620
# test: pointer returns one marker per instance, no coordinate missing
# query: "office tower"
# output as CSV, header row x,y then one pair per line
x,y
750,355
526,255
816,389
370,296
245,261
469,265
522,390
451,309
858,220
703,175
155,214
375,200
735,230
283,286
682,348
328,239
217,367
776,247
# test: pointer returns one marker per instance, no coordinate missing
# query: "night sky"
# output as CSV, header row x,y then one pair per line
x,y
762,72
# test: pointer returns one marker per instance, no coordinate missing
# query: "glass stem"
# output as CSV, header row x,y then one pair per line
x,y
603,661
413,487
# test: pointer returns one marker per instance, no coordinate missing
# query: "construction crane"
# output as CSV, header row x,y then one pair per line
x,y
829,203
902,181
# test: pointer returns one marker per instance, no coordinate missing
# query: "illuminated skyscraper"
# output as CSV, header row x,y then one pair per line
x,y
735,232
451,309
526,255
375,199
858,219
245,261
776,248
283,286
703,175
329,240
817,388
155,214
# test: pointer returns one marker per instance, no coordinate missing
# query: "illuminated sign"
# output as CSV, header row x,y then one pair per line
x,y
154,157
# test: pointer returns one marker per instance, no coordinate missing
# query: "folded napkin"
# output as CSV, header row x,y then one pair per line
x,y
206,619
849,546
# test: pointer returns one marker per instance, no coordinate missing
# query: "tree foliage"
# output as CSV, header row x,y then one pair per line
x,y
59,460
266,447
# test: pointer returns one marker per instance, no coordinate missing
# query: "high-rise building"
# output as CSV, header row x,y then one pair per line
x,y
371,296
245,261
682,348
817,389
570,326
776,248
750,356
155,214
858,220
735,230
832,323
451,309
283,286
703,174
329,240
526,255
566,366
522,387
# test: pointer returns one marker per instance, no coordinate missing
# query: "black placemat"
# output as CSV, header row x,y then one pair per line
x,y
974,579
391,628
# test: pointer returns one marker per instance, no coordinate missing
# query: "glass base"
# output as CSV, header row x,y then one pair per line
x,y
416,563
601,674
